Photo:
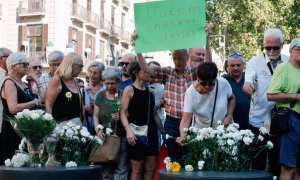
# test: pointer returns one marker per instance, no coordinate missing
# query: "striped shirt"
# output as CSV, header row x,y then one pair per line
x,y
44,79
175,88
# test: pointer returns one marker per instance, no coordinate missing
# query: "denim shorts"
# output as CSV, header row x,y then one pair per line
x,y
290,143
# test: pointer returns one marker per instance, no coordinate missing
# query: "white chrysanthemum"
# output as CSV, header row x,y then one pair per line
x,y
270,145
263,130
167,160
219,122
185,130
168,136
34,115
221,142
71,164
77,127
7,162
26,112
274,177
195,130
168,166
100,127
48,117
65,127
199,137
108,131
71,124
84,133
69,133
83,140
237,136
189,168
191,128
75,137
200,165
39,111
19,160
22,144
260,138
99,141
247,140
19,115
206,153
230,142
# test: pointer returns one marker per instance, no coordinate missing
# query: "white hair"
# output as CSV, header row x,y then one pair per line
x,y
56,55
112,73
100,65
274,33
15,58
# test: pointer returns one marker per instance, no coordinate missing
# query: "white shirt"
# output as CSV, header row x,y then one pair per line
x,y
202,104
258,74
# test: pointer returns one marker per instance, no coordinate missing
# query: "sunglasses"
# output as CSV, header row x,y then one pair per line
x,y
207,83
234,53
25,64
54,65
275,48
123,63
35,67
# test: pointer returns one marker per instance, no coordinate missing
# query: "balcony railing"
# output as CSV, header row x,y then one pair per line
x,y
41,55
115,31
126,4
125,37
105,26
78,13
93,19
31,8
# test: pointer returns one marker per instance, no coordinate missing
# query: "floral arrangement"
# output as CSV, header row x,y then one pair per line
x,y
18,160
171,166
222,149
74,144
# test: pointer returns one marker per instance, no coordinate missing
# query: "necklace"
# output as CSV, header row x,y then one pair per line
x,y
19,82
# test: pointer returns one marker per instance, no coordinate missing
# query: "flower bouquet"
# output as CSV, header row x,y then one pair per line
x,y
222,149
35,126
74,144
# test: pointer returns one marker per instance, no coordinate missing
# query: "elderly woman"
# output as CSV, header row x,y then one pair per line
x,y
106,113
90,93
63,97
16,96
138,107
209,98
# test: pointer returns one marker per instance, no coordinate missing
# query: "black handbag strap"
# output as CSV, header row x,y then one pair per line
x,y
270,68
213,113
148,114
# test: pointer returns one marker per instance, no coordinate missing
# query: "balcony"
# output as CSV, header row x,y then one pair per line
x,y
125,38
31,8
115,32
126,4
93,20
78,13
105,26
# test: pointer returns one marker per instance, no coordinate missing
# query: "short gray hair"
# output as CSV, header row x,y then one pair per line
x,y
100,65
15,58
274,33
112,73
56,55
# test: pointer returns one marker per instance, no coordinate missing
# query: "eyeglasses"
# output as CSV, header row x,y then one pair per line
x,y
109,83
54,64
234,53
123,63
207,83
35,67
25,64
275,48
79,65
4,56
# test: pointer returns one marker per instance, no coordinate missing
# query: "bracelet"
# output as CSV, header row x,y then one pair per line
x,y
36,102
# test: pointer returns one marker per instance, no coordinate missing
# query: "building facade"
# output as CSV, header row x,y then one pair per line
x,y
96,29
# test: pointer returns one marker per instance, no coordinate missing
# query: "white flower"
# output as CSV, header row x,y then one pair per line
x,y
34,115
168,136
99,141
71,124
26,112
19,115
185,130
108,131
260,138
247,140
48,117
7,162
84,133
75,137
219,122
22,144
71,164
237,136
167,160
230,142
19,160
274,177
69,133
199,137
100,127
269,144
83,140
200,165
168,166
189,168
263,130
65,127
205,153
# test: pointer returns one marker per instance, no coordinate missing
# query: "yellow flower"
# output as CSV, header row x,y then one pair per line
x,y
69,95
175,167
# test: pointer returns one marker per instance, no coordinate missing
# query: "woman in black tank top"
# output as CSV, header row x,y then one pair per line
x,y
136,102
63,97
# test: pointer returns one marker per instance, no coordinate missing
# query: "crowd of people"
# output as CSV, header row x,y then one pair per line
x,y
190,94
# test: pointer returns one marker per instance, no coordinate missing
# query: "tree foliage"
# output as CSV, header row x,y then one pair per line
x,y
243,22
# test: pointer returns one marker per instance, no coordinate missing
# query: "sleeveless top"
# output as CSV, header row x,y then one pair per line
x,y
66,105
138,107
22,97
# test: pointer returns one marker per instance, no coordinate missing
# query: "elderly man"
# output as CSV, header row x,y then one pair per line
x,y
236,79
35,71
54,60
284,90
4,53
258,75
124,62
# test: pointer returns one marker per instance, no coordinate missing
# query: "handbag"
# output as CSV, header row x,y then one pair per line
x,y
162,154
141,132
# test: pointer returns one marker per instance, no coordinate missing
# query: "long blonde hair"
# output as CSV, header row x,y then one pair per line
x,y
65,68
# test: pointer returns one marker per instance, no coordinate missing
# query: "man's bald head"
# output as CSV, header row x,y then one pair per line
x,y
4,53
196,56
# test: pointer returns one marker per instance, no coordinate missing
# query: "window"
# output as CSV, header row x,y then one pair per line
x,y
34,35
